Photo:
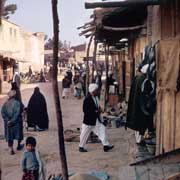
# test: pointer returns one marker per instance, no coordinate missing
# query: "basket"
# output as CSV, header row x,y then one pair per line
x,y
151,148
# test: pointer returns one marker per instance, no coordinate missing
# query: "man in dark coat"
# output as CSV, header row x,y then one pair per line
x,y
37,115
69,75
66,84
98,81
92,120
137,118
110,81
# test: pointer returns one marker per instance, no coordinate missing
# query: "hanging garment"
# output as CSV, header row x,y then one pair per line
x,y
136,118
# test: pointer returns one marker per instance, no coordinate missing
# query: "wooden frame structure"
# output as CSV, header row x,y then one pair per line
x,y
161,24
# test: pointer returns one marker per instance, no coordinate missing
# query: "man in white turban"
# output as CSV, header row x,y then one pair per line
x,y
92,120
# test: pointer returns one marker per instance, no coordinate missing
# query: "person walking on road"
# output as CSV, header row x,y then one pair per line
x,y
11,113
37,115
92,120
66,84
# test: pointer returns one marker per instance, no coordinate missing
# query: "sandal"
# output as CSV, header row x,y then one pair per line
x,y
12,152
20,147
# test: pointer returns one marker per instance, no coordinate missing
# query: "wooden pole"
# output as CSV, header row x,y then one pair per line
x,y
107,69
126,3
123,28
87,64
0,10
94,66
56,91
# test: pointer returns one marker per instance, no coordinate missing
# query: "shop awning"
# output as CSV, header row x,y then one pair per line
x,y
126,3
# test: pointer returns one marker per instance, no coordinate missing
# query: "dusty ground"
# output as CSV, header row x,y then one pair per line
x,y
95,159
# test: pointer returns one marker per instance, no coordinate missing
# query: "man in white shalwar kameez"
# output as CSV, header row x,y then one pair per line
x,y
93,121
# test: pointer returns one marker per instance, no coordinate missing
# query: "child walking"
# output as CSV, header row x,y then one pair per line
x,y
32,164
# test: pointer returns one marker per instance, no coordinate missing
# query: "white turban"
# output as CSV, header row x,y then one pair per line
x,y
144,68
110,73
93,87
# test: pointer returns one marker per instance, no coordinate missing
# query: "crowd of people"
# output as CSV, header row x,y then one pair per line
x,y
36,76
37,118
76,81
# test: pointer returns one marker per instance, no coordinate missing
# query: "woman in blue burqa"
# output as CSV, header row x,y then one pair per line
x,y
11,113
37,115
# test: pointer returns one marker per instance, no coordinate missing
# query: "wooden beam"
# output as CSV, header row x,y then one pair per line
x,y
94,65
123,28
126,3
88,35
87,30
158,158
88,24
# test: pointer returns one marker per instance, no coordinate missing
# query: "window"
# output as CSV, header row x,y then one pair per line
x,y
15,32
10,31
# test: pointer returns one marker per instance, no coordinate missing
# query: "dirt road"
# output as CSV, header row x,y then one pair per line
x,y
94,159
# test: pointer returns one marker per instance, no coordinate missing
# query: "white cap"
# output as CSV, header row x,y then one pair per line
x,y
93,87
144,68
110,73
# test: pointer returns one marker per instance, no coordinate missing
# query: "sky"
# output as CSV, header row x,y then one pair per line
x,y
36,16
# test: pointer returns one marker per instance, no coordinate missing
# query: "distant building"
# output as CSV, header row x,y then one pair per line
x,y
19,49
79,53
64,56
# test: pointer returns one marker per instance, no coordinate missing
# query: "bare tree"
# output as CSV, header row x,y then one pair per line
x,y
7,9
56,92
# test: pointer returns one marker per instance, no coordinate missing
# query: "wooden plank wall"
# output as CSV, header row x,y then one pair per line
x,y
128,77
139,47
165,25
168,121
121,59
156,24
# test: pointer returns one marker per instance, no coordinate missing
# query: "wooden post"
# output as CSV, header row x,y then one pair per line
x,y
107,69
1,74
56,91
0,10
119,71
0,84
87,64
94,66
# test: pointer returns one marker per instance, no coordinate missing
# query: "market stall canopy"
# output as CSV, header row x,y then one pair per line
x,y
120,23
125,3
125,17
